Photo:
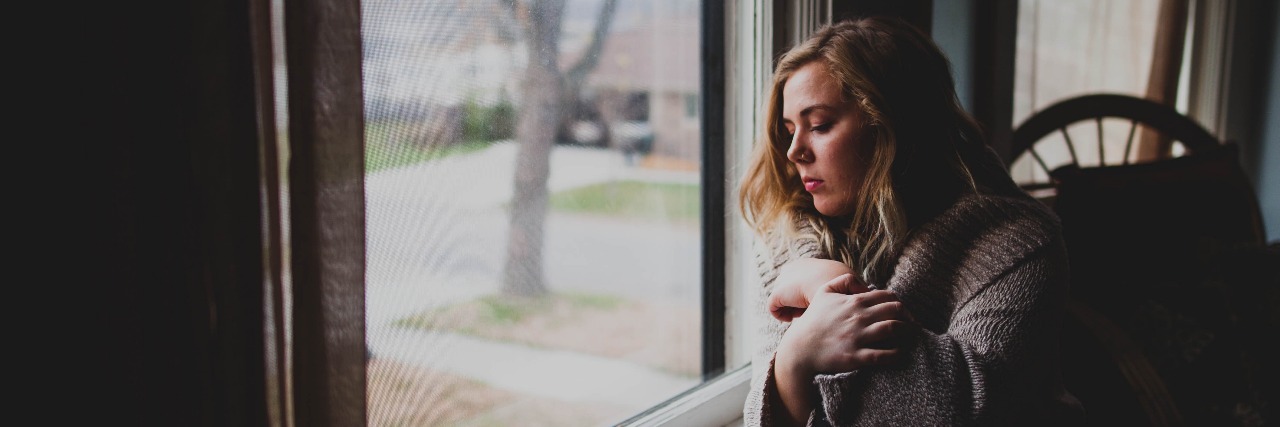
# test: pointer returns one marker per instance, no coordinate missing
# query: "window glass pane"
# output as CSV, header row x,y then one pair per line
x,y
1070,48
533,209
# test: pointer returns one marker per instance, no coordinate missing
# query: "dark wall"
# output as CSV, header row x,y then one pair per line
x,y
162,258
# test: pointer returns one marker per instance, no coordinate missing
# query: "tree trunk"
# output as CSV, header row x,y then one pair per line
x,y
539,117
548,94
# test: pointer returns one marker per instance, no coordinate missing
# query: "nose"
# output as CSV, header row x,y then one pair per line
x,y
797,152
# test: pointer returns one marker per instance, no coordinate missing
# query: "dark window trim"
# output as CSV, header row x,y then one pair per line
x,y
275,389
917,12
995,46
713,189
326,198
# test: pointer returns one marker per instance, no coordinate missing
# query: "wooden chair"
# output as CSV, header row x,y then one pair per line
x,y
1152,336
1094,108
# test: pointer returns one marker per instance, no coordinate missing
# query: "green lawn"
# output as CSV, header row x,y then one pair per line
x,y
632,199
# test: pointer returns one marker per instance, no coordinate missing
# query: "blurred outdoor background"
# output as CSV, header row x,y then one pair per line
x,y
532,193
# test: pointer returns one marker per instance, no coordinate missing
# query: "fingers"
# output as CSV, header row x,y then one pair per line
x,y
876,356
842,284
890,310
857,286
880,343
786,303
781,311
787,314
879,332
775,304
871,298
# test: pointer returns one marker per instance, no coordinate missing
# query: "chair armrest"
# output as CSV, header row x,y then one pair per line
x,y
1142,377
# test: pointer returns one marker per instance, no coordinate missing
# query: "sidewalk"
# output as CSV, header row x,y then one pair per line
x,y
529,370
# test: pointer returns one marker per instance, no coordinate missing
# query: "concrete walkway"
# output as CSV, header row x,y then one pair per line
x,y
436,235
563,375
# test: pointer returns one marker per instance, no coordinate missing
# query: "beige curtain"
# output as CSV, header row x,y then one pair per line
x,y
1068,48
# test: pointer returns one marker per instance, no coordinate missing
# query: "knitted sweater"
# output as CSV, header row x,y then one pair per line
x,y
986,280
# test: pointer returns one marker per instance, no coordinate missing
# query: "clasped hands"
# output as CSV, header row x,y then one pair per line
x,y
837,323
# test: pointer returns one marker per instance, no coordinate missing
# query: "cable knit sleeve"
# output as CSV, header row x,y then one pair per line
x,y
994,364
986,284
771,253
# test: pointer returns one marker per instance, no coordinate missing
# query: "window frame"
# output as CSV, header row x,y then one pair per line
x,y
740,42
713,188
319,370
324,342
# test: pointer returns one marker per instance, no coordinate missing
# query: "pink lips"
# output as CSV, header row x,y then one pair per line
x,y
812,184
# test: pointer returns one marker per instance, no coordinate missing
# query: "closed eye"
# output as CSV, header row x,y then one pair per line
x,y
822,128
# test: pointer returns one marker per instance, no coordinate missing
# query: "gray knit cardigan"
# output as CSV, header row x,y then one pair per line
x,y
986,280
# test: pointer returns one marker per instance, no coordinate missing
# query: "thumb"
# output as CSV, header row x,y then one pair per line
x,y
842,284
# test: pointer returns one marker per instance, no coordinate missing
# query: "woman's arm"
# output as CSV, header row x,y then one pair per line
x,y
772,252
994,364
840,333
799,280
805,262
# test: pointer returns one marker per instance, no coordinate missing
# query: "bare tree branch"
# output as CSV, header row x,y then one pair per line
x,y
591,57
504,23
518,14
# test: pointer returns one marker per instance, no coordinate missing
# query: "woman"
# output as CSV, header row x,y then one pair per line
x,y
910,281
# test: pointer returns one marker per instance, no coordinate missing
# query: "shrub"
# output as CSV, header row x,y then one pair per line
x,y
488,123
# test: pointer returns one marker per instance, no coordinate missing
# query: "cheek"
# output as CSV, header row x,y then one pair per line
x,y
850,176
845,197
855,158
850,168
839,201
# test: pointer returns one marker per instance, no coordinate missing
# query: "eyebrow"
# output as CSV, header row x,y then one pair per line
x,y
809,109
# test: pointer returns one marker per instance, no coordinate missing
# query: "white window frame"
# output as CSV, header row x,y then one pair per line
x,y
750,47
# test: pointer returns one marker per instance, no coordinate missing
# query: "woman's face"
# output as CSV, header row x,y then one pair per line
x,y
828,144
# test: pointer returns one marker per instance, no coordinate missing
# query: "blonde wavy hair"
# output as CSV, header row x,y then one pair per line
x,y
923,144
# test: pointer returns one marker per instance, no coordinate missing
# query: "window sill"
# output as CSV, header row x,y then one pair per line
x,y
716,402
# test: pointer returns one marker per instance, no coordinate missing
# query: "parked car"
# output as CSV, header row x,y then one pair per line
x,y
633,138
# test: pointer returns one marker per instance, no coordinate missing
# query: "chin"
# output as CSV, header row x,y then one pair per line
x,y
829,209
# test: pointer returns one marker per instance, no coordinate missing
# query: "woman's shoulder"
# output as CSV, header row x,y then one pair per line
x,y
1007,218
983,235
975,242
792,236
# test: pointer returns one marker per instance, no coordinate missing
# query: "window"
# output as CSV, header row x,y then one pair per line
x,y
189,241
534,210
412,266
1066,49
